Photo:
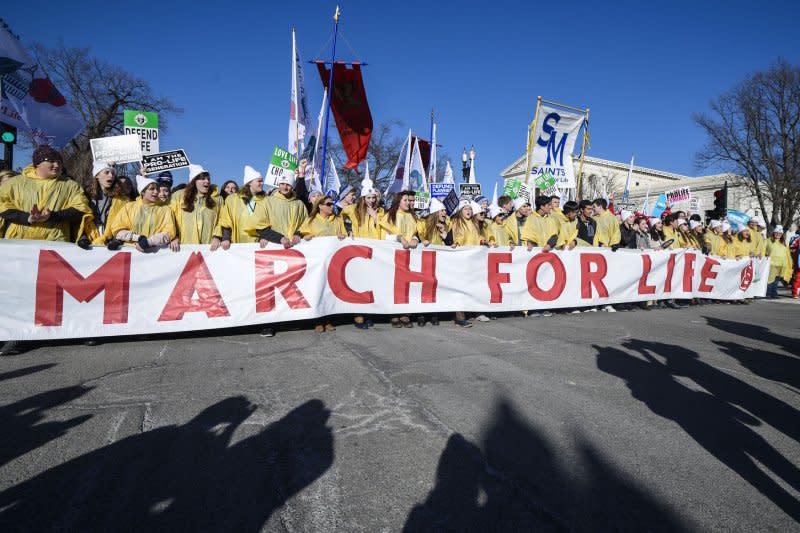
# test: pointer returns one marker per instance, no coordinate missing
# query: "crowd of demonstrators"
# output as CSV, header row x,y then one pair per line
x,y
43,203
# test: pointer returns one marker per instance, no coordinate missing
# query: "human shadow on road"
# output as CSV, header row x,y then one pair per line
x,y
711,418
181,477
518,482
754,331
22,426
770,365
25,371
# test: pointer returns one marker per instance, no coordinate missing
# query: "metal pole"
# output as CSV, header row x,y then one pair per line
x,y
296,102
330,95
579,185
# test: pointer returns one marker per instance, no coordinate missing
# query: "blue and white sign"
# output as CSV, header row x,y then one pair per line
x,y
441,190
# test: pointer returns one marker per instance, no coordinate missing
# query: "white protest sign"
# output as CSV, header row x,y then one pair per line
x,y
117,149
282,165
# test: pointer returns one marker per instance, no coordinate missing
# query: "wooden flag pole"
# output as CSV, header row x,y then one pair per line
x,y
529,147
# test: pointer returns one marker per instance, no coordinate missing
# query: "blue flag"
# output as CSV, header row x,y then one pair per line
x,y
660,207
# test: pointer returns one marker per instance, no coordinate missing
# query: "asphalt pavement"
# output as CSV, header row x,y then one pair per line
x,y
632,421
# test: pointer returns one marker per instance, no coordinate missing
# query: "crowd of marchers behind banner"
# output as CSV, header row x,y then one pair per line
x,y
44,203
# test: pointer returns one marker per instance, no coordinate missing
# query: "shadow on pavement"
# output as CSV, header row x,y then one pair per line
x,y
18,373
770,365
21,423
518,483
719,420
753,331
180,478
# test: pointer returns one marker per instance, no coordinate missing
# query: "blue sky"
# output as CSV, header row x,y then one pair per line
x,y
642,67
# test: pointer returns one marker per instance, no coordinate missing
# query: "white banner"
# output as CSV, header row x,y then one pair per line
x,y
57,290
555,136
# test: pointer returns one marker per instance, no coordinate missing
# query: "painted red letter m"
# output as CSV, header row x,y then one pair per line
x,y
57,276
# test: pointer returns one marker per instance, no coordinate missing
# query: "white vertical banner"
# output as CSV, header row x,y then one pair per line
x,y
432,166
555,136
416,174
298,112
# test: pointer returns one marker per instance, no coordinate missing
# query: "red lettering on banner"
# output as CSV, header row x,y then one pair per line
x,y
670,270
593,278
559,282
195,278
647,266
267,281
337,279
495,278
688,271
706,274
56,276
404,276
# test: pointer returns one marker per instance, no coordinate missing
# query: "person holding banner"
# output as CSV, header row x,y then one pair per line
x,y
540,230
497,228
479,218
434,228
164,181
323,221
515,221
106,199
759,243
671,230
627,231
607,225
568,231
713,238
401,224
364,216
587,227
237,210
196,209
145,222
42,203
727,250
780,261
743,243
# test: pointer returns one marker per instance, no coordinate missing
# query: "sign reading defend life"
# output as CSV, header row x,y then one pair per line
x,y
282,165
144,124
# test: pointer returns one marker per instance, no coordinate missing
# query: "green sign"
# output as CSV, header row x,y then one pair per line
x,y
140,119
512,187
282,165
545,181
421,200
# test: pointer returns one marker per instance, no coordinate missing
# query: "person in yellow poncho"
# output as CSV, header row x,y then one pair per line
x,y
464,232
364,216
237,211
727,250
756,225
322,221
146,222
742,243
278,218
568,228
402,225
780,261
607,232
497,228
196,209
515,220
671,231
106,198
714,240
540,230
433,228
41,203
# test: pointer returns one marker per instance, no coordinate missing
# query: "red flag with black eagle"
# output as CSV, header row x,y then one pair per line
x,y
350,109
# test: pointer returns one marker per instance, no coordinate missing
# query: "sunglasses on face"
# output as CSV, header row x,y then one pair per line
x,y
328,204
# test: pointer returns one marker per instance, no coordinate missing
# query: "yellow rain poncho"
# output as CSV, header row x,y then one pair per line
x,y
434,237
405,225
370,229
26,190
672,234
235,214
759,242
607,233
465,233
279,213
147,220
741,248
780,260
512,227
715,243
500,233
539,229
320,226
197,226
568,232
90,229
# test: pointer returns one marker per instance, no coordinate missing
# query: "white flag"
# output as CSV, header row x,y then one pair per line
x,y
30,101
471,178
448,174
298,112
494,194
432,166
399,172
316,156
416,175
332,184
554,139
646,203
627,183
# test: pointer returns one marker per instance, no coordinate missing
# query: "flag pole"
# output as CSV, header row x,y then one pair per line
x,y
529,146
296,96
432,163
330,91
579,187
